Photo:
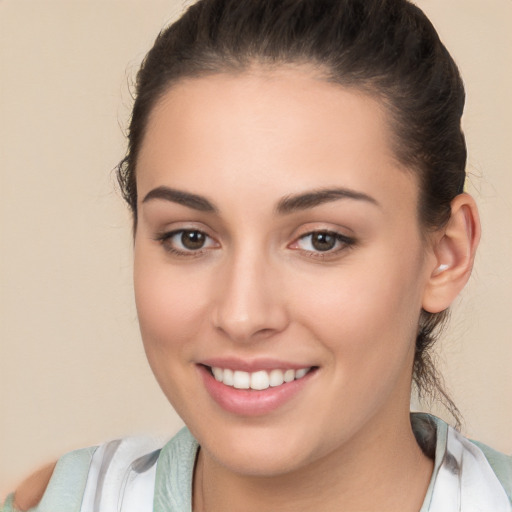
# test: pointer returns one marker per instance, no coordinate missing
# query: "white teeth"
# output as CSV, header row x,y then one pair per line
x,y
289,375
228,377
300,373
259,380
241,380
218,374
276,378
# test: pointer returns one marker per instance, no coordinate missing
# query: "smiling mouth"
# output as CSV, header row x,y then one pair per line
x,y
259,380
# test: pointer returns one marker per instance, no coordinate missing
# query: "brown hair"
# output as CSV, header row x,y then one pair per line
x,y
387,48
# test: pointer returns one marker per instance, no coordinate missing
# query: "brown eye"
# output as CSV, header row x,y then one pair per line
x,y
186,242
323,241
318,242
192,240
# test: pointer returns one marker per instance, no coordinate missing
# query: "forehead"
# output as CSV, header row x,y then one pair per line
x,y
285,127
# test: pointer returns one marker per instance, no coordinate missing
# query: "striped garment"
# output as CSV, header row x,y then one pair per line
x,y
132,475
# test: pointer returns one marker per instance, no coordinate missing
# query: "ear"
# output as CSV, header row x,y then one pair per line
x,y
454,250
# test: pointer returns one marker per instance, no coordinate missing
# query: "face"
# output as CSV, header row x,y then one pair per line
x,y
278,250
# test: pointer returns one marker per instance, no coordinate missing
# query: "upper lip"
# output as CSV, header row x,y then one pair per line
x,y
253,365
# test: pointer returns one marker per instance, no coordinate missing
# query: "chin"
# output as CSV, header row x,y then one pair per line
x,y
259,463
263,451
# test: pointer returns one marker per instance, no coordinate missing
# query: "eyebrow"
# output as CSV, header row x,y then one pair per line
x,y
187,199
286,205
314,198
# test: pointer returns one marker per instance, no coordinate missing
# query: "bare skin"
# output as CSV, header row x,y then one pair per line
x,y
31,490
255,292
302,488
233,162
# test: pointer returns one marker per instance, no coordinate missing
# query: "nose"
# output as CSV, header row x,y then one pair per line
x,y
250,301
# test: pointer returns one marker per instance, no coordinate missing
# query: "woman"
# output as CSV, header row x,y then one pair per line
x,y
295,172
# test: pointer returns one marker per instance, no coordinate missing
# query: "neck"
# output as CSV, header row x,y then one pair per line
x,y
380,470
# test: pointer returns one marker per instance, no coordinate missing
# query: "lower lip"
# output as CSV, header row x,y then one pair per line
x,y
247,402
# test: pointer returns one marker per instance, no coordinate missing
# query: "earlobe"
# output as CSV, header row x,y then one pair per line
x,y
454,251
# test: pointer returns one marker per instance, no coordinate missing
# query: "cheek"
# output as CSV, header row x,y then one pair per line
x,y
171,312
368,326
366,312
170,304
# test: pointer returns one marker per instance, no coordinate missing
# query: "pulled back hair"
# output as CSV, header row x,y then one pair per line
x,y
386,48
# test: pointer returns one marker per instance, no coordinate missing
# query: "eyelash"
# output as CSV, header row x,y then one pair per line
x,y
165,239
345,242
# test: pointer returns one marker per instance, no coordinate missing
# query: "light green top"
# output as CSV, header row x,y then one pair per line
x,y
175,465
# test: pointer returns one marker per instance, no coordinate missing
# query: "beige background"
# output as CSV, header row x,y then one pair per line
x,y
72,370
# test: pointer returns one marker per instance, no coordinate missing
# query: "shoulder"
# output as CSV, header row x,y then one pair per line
x,y
465,472
122,476
129,475
500,463
79,480
30,491
57,486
